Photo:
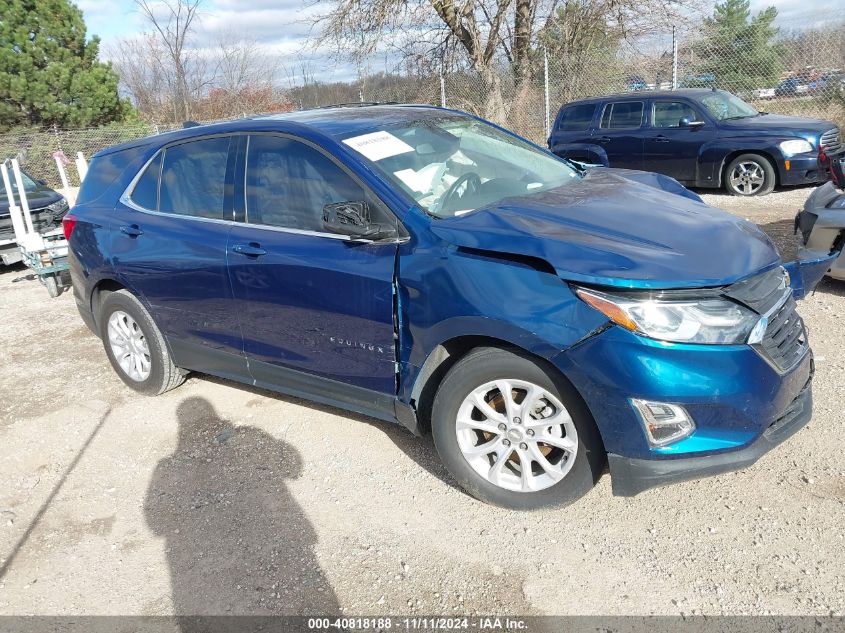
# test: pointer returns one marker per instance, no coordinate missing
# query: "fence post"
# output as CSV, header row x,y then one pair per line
x,y
442,87
674,60
547,123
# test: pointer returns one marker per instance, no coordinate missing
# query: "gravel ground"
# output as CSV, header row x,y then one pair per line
x,y
219,498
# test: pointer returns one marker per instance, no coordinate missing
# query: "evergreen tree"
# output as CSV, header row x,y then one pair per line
x,y
739,49
49,74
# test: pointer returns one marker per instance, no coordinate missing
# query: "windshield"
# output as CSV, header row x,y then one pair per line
x,y
28,184
723,105
454,165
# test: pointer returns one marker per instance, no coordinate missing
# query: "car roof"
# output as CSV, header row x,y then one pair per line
x,y
645,94
329,121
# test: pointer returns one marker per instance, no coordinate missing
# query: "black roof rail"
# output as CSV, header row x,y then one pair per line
x,y
356,104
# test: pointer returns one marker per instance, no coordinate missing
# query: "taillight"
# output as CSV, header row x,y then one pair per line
x,y
68,224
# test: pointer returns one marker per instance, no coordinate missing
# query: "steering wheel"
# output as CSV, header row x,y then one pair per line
x,y
471,179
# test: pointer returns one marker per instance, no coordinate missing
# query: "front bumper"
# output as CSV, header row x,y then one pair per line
x,y
822,226
804,169
630,476
742,405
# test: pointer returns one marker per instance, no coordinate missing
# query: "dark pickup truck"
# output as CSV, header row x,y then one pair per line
x,y
47,208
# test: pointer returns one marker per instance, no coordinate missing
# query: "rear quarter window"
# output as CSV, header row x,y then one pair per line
x,y
577,117
105,170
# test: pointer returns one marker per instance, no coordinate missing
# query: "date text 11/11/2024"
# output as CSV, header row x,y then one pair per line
x,y
386,623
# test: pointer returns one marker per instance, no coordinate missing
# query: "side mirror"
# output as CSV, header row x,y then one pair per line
x,y
688,122
353,219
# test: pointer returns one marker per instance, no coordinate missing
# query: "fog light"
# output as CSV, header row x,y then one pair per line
x,y
663,423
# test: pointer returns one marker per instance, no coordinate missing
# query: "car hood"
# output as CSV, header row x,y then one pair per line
x,y
780,124
37,198
605,229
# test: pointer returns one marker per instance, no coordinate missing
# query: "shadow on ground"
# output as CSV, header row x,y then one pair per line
x,y
420,449
236,540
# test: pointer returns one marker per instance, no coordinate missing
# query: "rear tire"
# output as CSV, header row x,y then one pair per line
x,y
749,175
544,424
135,346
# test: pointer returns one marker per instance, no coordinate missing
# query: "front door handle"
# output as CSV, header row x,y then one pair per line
x,y
661,139
253,249
603,139
132,230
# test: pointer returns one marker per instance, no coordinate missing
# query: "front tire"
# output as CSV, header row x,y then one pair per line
x,y
749,175
515,434
135,346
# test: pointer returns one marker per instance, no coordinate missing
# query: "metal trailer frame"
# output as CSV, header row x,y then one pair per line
x,y
45,254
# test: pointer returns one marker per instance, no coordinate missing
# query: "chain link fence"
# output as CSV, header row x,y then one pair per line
x,y
799,71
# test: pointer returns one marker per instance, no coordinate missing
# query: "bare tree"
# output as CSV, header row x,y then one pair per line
x,y
173,21
241,64
489,34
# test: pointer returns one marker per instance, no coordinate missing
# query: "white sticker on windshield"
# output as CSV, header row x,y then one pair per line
x,y
378,145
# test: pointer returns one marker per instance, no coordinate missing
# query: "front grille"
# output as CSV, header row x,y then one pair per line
x,y
785,340
830,141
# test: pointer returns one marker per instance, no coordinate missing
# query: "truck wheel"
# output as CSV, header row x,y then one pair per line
x,y
135,346
749,175
513,433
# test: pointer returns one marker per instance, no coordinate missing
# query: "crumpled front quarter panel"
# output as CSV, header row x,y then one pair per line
x,y
446,292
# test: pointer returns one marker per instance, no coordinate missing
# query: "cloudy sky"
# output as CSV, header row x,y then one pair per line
x,y
283,26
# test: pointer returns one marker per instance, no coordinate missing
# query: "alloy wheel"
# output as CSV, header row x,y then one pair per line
x,y
129,346
747,177
517,435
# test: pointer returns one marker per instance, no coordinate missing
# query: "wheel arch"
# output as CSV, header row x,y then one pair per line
x,y
758,152
102,288
441,359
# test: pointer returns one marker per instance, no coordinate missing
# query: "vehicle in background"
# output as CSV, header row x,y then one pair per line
x,y
47,208
635,83
822,220
425,267
699,137
704,80
791,87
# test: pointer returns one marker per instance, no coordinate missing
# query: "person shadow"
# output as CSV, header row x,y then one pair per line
x,y
237,542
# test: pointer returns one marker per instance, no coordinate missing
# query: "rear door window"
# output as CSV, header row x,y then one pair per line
x,y
577,118
193,178
622,115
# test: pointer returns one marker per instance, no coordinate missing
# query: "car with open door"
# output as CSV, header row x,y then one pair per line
x,y
425,267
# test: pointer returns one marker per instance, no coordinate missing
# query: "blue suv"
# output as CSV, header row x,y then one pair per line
x,y
700,137
422,266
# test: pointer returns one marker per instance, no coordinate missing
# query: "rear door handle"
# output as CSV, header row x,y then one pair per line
x,y
603,139
132,230
253,249
661,139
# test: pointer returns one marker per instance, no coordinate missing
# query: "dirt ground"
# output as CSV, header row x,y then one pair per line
x,y
218,498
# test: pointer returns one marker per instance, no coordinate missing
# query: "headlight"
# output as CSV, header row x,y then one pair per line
x,y
710,320
797,146
59,207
